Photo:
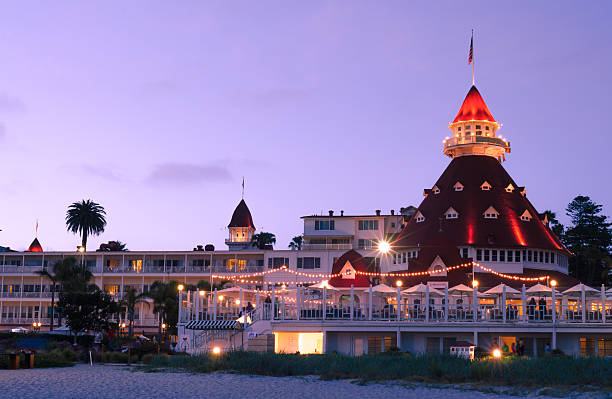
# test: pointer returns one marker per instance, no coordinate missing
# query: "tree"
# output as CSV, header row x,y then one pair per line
x,y
88,310
263,239
113,246
165,303
590,240
296,243
554,224
131,299
86,218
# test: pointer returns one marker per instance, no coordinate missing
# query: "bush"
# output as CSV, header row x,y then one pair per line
x,y
115,357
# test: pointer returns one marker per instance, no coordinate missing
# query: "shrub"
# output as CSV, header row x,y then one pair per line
x,y
115,357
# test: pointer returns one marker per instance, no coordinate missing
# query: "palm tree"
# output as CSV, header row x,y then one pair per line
x,y
86,218
113,246
131,299
296,243
261,240
53,278
165,301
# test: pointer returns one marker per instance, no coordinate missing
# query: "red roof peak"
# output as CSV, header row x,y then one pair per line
x,y
242,216
474,108
35,246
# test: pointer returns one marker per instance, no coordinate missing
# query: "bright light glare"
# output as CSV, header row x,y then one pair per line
x,y
180,287
553,283
202,293
220,297
399,283
475,283
237,301
216,350
497,353
384,247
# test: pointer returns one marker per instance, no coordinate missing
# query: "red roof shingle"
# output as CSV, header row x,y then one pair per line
x,y
473,108
242,216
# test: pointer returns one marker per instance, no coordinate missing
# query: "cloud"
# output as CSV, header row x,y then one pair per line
x,y
10,104
101,172
185,174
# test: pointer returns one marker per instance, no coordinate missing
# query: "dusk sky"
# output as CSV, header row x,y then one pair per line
x,y
156,110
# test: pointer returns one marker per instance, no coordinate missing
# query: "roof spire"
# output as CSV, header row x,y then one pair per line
x,y
242,187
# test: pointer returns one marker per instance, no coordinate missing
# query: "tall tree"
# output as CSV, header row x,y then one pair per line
x,y
113,246
89,309
263,239
554,223
165,303
296,243
131,299
86,218
590,240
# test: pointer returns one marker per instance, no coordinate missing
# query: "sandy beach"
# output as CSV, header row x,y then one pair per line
x,y
106,381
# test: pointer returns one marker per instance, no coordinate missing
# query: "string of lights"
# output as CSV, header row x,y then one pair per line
x,y
509,276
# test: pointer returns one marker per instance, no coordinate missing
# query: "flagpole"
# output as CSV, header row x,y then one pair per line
x,y
473,63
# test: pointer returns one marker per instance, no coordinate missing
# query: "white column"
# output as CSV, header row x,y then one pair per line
x,y
272,305
524,298
446,303
215,299
475,302
352,301
180,298
503,304
197,305
554,339
298,301
324,308
324,341
554,308
370,303
240,298
583,303
258,305
282,305
475,338
427,303
603,303
399,301
399,339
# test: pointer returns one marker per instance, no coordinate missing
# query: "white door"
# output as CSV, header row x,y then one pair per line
x,y
358,346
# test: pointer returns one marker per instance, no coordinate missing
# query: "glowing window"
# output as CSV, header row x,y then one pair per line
x,y
485,186
435,190
510,188
526,216
458,186
451,213
419,217
491,213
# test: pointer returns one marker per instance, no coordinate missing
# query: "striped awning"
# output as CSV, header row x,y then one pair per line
x,y
213,325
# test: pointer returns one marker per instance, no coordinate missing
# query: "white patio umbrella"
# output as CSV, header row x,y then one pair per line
x,y
499,290
460,289
234,290
322,284
539,289
578,288
384,289
421,289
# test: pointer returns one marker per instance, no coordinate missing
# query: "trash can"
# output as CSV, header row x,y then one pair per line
x,y
29,360
13,361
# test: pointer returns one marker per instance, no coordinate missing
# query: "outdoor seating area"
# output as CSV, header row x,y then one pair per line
x,y
420,303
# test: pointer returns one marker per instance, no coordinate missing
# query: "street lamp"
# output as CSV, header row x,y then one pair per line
x,y
384,246
475,283
180,287
553,283
399,283
497,353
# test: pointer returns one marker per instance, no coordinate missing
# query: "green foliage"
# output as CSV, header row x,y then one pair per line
x,y
115,357
554,224
262,239
165,302
131,299
85,218
112,246
590,240
296,243
444,369
87,310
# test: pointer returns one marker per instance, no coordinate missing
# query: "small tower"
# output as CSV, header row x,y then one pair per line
x,y
474,131
35,246
241,228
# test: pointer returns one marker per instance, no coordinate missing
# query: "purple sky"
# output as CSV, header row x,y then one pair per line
x,y
157,109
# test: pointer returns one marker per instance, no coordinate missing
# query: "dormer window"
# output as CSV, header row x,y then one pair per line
x,y
435,190
486,128
523,191
477,127
485,186
526,216
491,213
451,213
467,127
459,129
419,217
458,186
510,188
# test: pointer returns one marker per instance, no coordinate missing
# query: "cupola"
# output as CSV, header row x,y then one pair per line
x,y
474,130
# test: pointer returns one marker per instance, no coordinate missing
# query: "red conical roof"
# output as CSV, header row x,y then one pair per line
x,y
242,216
474,108
35,246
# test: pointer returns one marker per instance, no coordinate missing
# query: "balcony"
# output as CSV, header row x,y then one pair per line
x,y
326,247
470,140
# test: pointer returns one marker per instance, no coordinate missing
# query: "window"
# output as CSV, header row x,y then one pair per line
x,y
367,243
234,265
404,257
485,186
136,265
277,263
510,188
552,257
478,132
494,255
541,257
517,256
459,129
478,127
309,263
529,255
502,255
451,213
392,225
112,264
464,252
490,215
435,190
368,225
486,255
467,127
479,254
546,257
526,216
419,217
486,128
458,186
325,225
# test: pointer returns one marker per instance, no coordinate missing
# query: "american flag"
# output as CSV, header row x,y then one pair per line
x,y
471,56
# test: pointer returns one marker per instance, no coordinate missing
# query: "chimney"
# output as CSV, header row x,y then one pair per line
x,y
331,213
378,212
392,212
341,213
